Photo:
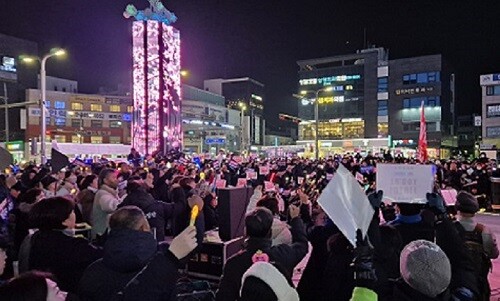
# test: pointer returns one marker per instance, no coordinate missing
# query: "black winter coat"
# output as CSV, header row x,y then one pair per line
x,y
64,256
288,256
126,252
157,212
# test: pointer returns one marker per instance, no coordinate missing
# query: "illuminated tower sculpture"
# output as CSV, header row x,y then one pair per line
x,y
156,126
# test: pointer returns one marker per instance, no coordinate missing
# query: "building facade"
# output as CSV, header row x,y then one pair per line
x,y
208,125
367,102
91,124
247,95
15,77
490,86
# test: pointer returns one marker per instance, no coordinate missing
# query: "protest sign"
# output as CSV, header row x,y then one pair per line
x,y
300,180
269,186
220,184
404,183
345,202
360,177
449,196
251,175
242,182
264,170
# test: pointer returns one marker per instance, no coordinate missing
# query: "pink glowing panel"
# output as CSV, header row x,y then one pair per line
x,y
157,99
139,120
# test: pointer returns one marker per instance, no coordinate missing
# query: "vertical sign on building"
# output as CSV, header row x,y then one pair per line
x,y
157,99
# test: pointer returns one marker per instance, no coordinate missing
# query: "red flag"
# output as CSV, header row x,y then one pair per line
x,y
422,138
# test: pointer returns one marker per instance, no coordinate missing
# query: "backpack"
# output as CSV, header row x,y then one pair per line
x,y
473,242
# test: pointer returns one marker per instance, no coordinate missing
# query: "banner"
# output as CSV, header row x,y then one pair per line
x,y
264,170
404,183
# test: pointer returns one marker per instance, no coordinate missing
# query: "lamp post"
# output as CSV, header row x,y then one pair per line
x,y
43,86
316,115
243,107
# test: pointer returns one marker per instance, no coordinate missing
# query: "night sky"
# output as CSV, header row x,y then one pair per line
x,y
264,39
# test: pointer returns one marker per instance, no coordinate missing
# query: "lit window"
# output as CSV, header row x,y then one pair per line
x,y
96,139
60,105
77,106
96,123
60,138
76,139
96,107
76,123
493,90
383,129
115,124
382,108
130,109
383,84
115,139
114,108
60,121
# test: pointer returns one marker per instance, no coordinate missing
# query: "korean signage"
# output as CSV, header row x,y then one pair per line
x,y
414,90
493,131
328,80
35,112
493,110
490,79
8,69
87,98
477,121
15,146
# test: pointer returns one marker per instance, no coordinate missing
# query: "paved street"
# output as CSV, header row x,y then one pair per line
x,y
493,222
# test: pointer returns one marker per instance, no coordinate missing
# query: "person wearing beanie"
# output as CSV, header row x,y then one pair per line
x,y
258,230
264,282
425,267
467,206
480,242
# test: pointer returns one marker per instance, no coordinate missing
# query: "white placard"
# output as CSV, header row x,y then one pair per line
x,y
345,202
404,183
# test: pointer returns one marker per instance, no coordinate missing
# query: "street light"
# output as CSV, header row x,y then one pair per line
x,y
316,114
243,107
43,83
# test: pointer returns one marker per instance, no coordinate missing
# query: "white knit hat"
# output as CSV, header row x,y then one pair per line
x,y
425,267
274,279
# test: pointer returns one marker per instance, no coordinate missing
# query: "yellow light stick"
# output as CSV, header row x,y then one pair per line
x,y
194,215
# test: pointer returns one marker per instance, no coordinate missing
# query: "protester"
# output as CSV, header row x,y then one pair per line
x,y
86,195
105,202
32,286
258,229
54,248
479,241
134,265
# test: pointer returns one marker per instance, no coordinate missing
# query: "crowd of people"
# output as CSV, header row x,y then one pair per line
x,y
124,231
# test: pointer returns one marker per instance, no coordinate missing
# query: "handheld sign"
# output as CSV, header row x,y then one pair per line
x,y
252,175
345,202
194,215
264,170
269,186
404,183
300,180
242,182
220,184
449,196
360,177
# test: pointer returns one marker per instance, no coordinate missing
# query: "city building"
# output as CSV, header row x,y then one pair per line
x,y
83,125
469,135
208,125
490,86
367,102
15,78
247,95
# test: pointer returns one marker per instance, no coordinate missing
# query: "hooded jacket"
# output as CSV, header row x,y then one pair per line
x,y
126,252
157,213
288,256
62,255
105,202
